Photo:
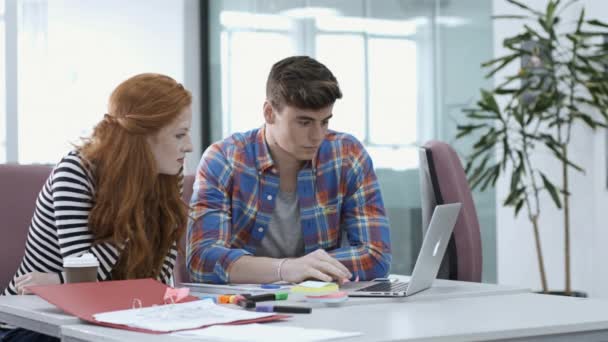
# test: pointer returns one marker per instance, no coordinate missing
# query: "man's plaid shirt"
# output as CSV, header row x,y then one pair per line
x,y
339,197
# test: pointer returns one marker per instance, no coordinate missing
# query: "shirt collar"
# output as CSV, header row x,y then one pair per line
x,y
263,157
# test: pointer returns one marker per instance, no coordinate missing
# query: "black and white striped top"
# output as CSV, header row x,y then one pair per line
x,y
59,226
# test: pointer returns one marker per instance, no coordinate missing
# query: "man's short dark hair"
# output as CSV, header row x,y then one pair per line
x,y
302,82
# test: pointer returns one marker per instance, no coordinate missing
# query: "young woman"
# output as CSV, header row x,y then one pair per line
x,y
117,195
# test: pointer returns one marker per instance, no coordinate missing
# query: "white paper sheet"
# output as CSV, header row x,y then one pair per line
x,y
178,316
264,332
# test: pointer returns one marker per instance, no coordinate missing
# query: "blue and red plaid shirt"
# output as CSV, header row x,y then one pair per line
x,y
233,200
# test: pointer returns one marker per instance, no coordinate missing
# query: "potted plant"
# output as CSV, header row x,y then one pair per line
x,y
562,82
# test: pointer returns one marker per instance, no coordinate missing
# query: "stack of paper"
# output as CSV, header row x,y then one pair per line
x,y
172,317
315,288
140,305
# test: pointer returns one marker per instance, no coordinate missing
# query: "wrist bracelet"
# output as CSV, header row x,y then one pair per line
x,y
279,269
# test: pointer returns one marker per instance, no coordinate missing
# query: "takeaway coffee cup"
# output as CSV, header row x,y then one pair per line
x,y
80,269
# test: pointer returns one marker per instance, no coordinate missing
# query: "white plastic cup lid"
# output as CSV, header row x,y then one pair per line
x,y
85,260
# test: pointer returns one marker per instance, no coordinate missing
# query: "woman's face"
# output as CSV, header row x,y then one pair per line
x,y
170,145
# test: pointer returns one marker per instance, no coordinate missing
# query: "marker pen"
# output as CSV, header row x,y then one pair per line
x,y
283,309
262,297
245,303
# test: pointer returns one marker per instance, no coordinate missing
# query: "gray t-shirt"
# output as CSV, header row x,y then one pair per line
x,y
283,239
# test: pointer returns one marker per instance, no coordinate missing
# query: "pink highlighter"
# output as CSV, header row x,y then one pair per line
x,y
332,298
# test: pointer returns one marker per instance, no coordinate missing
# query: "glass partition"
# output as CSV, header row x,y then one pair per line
x,y
406,69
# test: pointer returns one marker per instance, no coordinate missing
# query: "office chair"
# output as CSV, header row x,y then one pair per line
x,y
443,180
19,188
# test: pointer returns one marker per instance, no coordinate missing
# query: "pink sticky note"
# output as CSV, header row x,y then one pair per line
x,y
176,294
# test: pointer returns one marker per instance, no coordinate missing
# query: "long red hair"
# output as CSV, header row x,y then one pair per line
x,y
134,206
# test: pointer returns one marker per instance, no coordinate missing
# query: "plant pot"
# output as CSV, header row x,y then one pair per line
x,y
563,293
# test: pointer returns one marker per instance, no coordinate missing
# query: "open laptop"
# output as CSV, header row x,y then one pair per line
x,y
426,267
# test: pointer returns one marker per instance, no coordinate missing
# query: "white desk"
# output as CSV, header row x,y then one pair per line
x,y
514,317
441,289
445,289
90,332
34,313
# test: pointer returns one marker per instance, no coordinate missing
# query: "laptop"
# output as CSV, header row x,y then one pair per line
x,y
429,259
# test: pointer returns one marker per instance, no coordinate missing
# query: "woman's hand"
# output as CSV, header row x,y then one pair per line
x,y
35,278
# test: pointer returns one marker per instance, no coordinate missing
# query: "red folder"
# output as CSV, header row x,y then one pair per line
x,y
83,300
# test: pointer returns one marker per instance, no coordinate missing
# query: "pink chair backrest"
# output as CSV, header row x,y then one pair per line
x,y
19,188
180,272
454,187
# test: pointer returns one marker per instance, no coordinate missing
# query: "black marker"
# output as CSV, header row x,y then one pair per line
x,y
283,309
262,297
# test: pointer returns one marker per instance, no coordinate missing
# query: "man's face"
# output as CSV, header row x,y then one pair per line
x,y
299,132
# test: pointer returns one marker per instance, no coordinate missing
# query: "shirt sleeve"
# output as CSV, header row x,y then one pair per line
x,y
166,274
363,215
72,202
209,255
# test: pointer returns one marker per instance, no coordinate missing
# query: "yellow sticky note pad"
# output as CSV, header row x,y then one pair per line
x,y
311,287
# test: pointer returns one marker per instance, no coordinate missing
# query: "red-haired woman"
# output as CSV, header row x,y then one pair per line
x,y
117,196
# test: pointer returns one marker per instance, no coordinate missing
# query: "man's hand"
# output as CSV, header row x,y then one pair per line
x,y
318,265
35,278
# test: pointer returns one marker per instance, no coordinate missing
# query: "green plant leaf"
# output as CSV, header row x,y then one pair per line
x,y
505,91
490,101
465,130
560,156
514,196
581,19
504,63
595,22
491,177
531,31
591,33
586,118
518,206
549,15
552,191
544,25
520,5
512,41
496,60
510,16
516,176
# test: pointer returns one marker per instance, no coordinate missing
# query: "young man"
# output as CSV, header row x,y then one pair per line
x,y
292,200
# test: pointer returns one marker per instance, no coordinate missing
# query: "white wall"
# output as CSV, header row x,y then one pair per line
x,y
516,255
599,250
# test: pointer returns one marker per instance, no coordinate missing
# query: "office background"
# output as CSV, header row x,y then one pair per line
x,y
407,68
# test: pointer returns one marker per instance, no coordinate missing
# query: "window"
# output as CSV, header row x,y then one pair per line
x,y
393,91
348,65
2,83
376,65
395,64
248,55
249,46
71,56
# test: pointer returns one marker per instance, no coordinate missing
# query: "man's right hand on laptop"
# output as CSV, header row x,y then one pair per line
x,y
316,265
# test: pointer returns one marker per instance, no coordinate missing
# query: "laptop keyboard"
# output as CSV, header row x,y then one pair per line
x,y
385,287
